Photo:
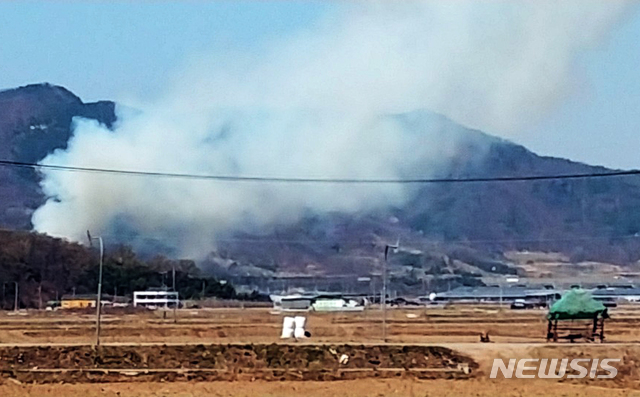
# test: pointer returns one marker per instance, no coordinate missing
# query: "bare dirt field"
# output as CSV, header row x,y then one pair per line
x,y
352,388
420,325
430,352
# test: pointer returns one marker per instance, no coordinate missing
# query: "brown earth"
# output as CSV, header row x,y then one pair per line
x,y
46,364
146,350
351,388
430,325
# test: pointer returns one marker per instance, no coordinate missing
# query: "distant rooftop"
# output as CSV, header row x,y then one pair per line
x,y
105,297
612,292
496,293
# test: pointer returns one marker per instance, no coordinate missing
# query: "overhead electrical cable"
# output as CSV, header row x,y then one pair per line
x,y
268,179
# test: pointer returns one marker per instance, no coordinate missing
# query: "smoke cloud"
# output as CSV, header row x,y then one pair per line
x,y
319,104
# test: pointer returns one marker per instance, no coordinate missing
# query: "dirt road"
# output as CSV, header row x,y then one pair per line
x,y
354,388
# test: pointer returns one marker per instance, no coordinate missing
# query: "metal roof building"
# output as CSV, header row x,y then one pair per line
x,y
482,294
629,294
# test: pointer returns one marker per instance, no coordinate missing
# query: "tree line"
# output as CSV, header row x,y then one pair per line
x,y
46,268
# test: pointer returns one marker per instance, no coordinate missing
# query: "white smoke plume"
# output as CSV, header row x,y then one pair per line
x,y
315,105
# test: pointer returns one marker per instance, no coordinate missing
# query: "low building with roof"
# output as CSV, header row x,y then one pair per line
x,y
631,294
83,301
325,301
80,301
498,294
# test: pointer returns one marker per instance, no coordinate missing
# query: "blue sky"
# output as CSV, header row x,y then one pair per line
x,y
600,125
113,49
121,50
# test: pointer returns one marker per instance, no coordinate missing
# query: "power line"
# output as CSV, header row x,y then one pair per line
x,y
349,244
261,179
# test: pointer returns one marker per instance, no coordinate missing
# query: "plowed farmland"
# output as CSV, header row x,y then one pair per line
x,y
228,352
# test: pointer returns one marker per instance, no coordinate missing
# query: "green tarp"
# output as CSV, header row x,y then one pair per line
x,y
576,304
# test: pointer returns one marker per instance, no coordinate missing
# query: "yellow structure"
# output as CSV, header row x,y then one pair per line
x,y
77,302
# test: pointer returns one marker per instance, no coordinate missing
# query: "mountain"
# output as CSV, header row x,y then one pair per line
x,y
34,121
449,231
594,218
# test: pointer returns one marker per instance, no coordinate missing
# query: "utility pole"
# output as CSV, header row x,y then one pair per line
x,y
173,271
387,249
40,297
99,296
383,298
175,304
15,303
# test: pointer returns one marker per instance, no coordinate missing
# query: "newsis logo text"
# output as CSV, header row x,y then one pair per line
x,y
528,368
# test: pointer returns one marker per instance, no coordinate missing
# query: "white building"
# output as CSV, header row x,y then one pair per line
x,y
155,299
337,305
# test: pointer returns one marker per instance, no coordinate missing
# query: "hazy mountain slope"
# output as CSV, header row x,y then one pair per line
x,y
35,120
597,217
594,218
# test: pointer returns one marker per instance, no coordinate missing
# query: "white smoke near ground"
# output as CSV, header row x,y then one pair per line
x,y
317,105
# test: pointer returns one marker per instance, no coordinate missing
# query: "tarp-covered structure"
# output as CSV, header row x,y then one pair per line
x,y
579,315
576,304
